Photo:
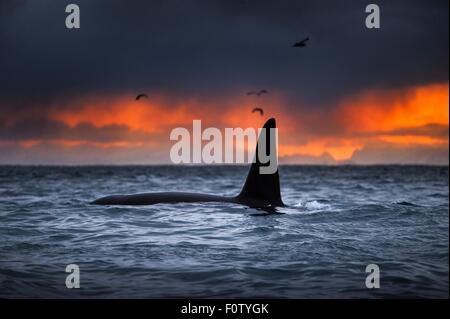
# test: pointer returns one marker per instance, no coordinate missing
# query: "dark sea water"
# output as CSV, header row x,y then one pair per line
x,y
339,220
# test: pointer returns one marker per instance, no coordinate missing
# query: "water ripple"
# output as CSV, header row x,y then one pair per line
x,y
338,220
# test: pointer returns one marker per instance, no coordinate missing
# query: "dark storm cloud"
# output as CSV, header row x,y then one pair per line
x,y
439,131
193,48
45,129
331,128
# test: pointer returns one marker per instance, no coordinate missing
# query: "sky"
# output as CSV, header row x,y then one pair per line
x,y
353,95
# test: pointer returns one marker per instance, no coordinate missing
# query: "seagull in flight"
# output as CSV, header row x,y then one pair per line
x,y
140,96
258,109
301,44
259,93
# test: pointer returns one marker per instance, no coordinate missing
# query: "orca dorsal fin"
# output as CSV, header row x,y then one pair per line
x,y
263,187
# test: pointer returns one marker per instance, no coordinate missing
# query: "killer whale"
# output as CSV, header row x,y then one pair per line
x,y
259,190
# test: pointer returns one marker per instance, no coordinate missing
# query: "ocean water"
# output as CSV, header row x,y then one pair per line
x,y
338,220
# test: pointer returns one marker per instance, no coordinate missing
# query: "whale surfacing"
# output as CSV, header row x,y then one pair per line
x,y
259,190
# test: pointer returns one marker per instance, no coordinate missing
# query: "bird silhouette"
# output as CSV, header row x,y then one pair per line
x,y
301,44
258,109
259,93
140,96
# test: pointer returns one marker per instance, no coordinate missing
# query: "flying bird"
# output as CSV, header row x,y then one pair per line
x,y
259,93
258,109
140,96
301,44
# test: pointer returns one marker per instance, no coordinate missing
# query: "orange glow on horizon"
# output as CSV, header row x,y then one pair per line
x,y
384,111
74,143
357,120
342,150
412,139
